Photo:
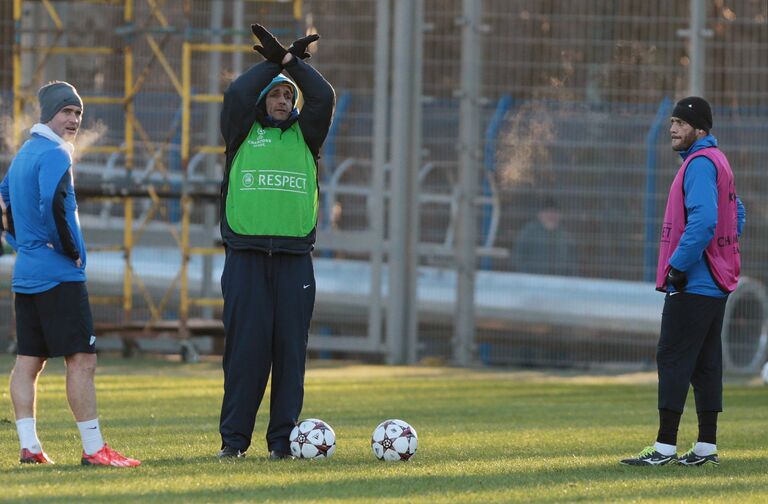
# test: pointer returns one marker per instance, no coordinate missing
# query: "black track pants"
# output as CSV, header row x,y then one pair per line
x,y
268,303
690,352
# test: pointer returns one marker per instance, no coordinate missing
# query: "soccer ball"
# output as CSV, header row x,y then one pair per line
x,y
394,440
312,439
764,373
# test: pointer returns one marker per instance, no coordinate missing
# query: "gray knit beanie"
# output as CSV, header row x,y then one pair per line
x,y
54,96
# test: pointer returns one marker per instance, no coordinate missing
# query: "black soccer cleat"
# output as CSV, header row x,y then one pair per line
x,y
649,457
279,455
690,458
228,452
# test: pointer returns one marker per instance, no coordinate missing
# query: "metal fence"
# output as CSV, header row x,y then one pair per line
x,y
557,104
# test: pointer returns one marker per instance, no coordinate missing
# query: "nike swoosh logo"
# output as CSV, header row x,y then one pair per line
x,y
673,293
307,285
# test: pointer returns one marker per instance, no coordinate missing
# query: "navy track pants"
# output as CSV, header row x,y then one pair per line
x,y
690,352
268,304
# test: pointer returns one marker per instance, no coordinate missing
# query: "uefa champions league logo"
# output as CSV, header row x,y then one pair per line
x,y
260,140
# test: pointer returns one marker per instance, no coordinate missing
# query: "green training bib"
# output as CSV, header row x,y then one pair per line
x,y
273,184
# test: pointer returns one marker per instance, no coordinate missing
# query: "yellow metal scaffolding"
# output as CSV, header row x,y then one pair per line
x,y
22,95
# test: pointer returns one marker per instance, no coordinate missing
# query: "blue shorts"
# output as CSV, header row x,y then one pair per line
x,y
55,323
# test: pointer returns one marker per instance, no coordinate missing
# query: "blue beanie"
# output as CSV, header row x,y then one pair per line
x,y
280,79
54,96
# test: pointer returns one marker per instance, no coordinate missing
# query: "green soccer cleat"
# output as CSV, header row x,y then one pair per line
x,y
649,457
690,458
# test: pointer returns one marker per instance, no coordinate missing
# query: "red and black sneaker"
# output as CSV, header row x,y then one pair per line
x,y
108,457
28,457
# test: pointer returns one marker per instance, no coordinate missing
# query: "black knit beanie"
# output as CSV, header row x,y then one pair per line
x,y
695,111
54,97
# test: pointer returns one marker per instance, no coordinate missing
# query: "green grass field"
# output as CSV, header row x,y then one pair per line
x,y
484,436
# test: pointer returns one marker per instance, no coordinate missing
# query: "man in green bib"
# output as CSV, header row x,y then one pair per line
x,y
269,202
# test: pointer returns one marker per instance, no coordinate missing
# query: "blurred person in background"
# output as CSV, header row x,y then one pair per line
x,y
269,211
53,313
542,246
699,265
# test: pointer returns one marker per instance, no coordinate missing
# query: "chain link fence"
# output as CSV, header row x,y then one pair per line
x,y
575,99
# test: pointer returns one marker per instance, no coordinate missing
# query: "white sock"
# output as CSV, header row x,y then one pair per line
x,y
665,449
90,433
704,449
27,430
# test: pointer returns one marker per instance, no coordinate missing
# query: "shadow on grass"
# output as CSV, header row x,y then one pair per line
x,y
607,483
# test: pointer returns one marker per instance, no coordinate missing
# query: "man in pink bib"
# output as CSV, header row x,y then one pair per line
x,y
699,265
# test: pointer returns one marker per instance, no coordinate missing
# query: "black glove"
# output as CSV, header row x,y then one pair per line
x,y
299,47
677,278
270,47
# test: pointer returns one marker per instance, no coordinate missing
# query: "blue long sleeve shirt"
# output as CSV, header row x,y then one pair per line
x,y
39,184
700,186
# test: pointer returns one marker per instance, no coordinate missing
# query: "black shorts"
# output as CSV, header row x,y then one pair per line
x,y
55,323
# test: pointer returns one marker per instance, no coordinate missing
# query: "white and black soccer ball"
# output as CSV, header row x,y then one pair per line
x,y
394,440
312,439
764,373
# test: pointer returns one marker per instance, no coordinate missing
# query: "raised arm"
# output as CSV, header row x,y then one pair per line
x,y
319,103
319,98
239,108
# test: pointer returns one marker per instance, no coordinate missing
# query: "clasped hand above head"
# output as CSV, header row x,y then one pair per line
x,y
274,51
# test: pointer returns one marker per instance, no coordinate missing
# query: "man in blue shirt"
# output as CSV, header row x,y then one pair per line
x,y
699,265
53,314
